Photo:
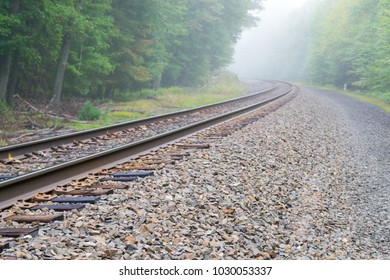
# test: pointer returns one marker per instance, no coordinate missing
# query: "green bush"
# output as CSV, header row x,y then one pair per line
x,y
6,116
384,96
4,109
88,112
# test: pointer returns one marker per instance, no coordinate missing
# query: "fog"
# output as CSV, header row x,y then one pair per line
x,y
262,51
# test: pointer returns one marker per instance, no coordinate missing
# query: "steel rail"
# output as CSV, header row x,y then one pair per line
x,y
42,144
44,180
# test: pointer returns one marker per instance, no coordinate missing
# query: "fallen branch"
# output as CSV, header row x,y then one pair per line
x,y
23,136
62,117
33,123
28,104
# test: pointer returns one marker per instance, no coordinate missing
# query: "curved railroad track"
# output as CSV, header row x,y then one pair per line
x,y
20,159
126,129
69,184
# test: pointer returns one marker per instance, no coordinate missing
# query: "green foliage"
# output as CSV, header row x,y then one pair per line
x,y
2,142
89,59
88,112
383,96
6,116
335,43
373,66
154,102
5,110
116,46
350,44
140,94
126,116
212,28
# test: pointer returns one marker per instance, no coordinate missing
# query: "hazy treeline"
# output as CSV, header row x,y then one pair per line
x,y
350,44
49,48
333,42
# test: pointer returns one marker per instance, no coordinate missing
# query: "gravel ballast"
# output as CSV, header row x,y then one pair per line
x,y
308,181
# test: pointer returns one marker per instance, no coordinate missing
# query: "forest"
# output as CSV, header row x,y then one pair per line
x,y
51,50
334,42
94,49
350,44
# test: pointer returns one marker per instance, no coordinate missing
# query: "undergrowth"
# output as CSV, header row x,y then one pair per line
x,y
88,112
147,102
7,118
378,99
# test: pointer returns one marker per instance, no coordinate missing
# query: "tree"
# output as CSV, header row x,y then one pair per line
x,y
8,25
85,24
373,64
53,49
89,58
350,44
212,28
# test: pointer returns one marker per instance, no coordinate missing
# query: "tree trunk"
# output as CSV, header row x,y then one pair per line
x,y
156,83
5,64
100,91
66,42
5,60
13,78
107,91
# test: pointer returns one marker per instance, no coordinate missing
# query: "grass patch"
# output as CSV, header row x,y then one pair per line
x,y
372,98
378,99
7,118
2,143
222,88
384,96
129,106
83,126
55,123
126,116
146,103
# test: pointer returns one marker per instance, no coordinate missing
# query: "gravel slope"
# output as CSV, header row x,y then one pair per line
x,y
369,141
309,181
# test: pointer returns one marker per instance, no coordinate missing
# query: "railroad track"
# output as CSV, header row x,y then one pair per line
x,y
126,129
20,159
80,180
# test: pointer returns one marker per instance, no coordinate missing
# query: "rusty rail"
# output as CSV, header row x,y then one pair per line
x,y
47,179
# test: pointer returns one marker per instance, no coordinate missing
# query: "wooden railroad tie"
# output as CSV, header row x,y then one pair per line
x,y
36,218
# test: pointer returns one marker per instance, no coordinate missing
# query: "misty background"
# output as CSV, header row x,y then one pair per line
x,y
276,48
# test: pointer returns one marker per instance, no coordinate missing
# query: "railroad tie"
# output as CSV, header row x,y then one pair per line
x,y
36,218
193,146
119,179
142,167
59,207
76,199
83,191
141,174
178,154
127,176
16,232
76,204
110,186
